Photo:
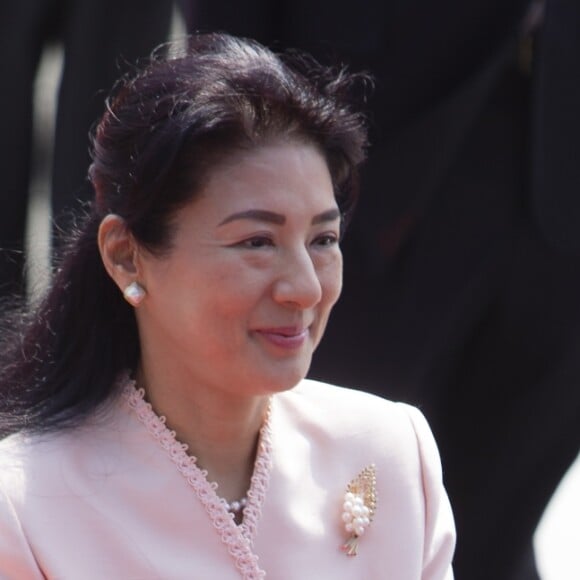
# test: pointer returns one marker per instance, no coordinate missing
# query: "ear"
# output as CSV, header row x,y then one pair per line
x,y
119,250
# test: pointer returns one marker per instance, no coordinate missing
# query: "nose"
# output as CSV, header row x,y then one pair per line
x,y
298,282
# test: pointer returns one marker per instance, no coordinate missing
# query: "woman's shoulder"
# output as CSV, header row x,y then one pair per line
x,y
26,460
346,401
42,459
20,448
343,412
348,430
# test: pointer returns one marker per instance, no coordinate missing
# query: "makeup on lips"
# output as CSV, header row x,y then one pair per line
x,y
284,337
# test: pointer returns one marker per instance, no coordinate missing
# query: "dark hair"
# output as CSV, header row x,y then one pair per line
x,y
166,125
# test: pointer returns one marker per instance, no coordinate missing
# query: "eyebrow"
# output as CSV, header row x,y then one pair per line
x,y
276,218
326,216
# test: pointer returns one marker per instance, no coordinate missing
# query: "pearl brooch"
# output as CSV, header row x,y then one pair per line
x,y
360,503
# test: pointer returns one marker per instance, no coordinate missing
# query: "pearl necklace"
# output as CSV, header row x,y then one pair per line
x,y
237,506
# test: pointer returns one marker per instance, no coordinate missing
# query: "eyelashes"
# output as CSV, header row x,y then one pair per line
x,y
326,240
258,242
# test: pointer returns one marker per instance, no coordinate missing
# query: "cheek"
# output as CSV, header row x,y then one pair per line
x,y
330,276
228,302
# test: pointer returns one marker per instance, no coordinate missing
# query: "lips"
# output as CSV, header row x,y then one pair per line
x,y
284,337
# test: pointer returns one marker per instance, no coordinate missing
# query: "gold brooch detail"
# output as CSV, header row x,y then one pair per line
x,y
358,509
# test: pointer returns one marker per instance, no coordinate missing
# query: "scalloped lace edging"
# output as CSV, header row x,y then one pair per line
x,y
238,539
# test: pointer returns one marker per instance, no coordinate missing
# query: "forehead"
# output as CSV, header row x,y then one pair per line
x,y
271,172
261,157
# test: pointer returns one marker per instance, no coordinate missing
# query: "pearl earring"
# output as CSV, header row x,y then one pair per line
x,y
134,294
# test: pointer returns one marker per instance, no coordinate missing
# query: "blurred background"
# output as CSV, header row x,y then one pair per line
x,y
462,278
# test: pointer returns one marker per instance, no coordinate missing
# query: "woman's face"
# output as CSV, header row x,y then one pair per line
x,y
243,298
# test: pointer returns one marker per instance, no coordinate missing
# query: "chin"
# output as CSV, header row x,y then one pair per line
x,y
283,381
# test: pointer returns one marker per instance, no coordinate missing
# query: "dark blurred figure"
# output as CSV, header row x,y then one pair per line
x,y
466,243
97,35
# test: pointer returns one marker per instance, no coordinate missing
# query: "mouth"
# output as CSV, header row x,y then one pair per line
x,y
285,337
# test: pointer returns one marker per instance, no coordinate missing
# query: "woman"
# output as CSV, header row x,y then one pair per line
x,y
160,422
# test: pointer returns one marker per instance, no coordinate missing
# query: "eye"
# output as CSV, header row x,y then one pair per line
x,y
257,242
325,240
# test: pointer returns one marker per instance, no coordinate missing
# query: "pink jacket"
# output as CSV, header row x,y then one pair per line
x,y
120,499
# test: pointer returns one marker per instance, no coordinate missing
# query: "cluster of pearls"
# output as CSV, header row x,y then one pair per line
x,y
237,505
358,508
355,515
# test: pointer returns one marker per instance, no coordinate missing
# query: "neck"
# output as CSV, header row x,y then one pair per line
x,y
221,430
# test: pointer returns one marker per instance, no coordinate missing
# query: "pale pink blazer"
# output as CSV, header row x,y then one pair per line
x,y
119,498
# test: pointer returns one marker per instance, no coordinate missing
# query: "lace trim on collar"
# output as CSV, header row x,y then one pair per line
x,y
238,539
